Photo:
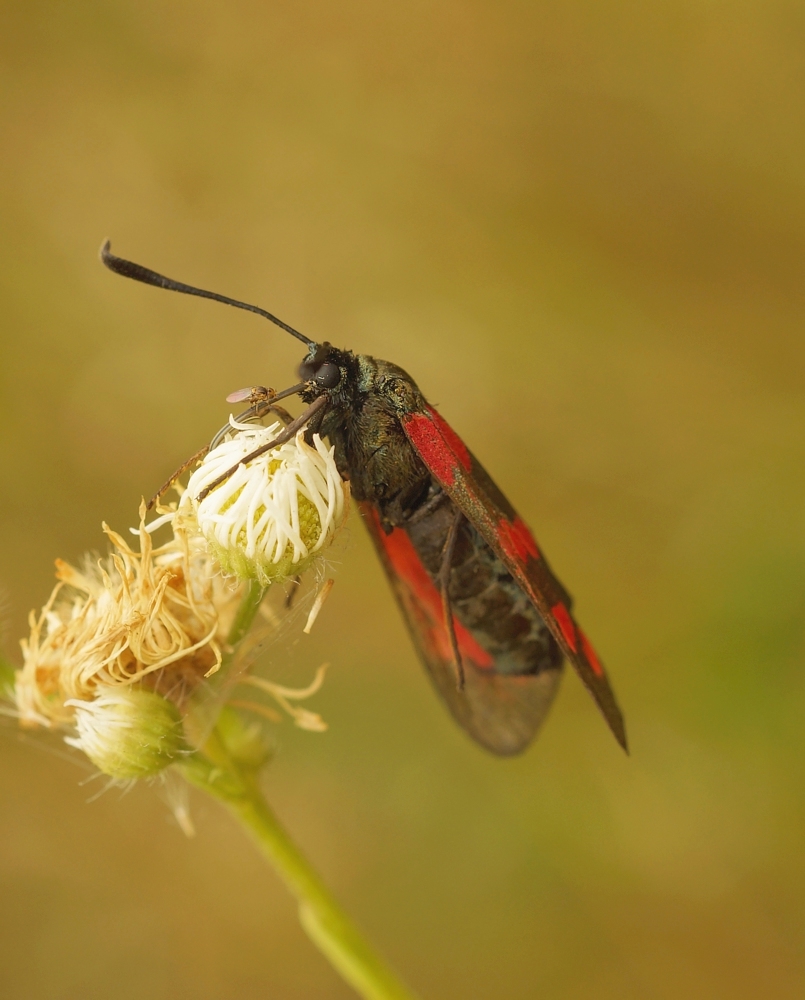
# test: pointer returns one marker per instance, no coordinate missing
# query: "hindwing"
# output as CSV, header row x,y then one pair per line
x,y
501,712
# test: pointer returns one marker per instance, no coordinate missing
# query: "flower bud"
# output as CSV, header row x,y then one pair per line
x,y
128,733
270,518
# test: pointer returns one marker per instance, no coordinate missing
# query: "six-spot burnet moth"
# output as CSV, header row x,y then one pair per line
x,y
490,621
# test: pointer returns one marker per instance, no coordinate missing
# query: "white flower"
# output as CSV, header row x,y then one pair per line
x,y
270,518
128,733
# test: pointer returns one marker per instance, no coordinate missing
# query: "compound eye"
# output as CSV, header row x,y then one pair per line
x,y
328,376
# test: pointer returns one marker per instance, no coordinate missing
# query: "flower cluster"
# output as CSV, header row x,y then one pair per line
x,y
124,645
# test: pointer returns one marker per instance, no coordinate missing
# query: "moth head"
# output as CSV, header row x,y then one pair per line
x,y
321,367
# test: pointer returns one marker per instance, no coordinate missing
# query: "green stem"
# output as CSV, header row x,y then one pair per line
x,y
249,606
204,710
328,926
218,770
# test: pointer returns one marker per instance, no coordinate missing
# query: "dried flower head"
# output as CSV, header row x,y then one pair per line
x,y
151,620
270,518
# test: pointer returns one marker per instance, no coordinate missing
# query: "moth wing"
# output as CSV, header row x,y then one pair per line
x,y
502,713
472,490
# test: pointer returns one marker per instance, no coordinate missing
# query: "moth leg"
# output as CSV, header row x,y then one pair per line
x,y
282,413
314,424
281,438
427,508
254,413
247,417
163,489
444,583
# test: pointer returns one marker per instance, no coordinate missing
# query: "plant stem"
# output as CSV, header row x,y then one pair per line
x,y
217,770
326,923
203,711
249,606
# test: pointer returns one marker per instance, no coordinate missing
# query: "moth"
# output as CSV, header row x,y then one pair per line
x,y
490,621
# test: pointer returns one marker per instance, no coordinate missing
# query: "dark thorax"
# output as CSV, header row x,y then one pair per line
x,y
371,448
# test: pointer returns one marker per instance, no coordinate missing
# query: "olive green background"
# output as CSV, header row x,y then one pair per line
x,y
581,228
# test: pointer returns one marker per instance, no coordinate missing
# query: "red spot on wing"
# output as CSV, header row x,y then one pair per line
x,y
589,653
516,540
565,623
457,446
408,566
442,450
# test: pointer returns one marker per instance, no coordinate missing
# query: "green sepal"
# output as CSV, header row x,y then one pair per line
x,y
244,741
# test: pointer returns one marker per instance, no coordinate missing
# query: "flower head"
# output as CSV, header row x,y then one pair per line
x,y
127,732
270,518
154,620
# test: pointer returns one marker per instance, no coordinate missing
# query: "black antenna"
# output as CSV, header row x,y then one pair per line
x,y
129,269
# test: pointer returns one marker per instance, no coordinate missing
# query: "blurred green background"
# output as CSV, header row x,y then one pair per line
x,y
581,227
